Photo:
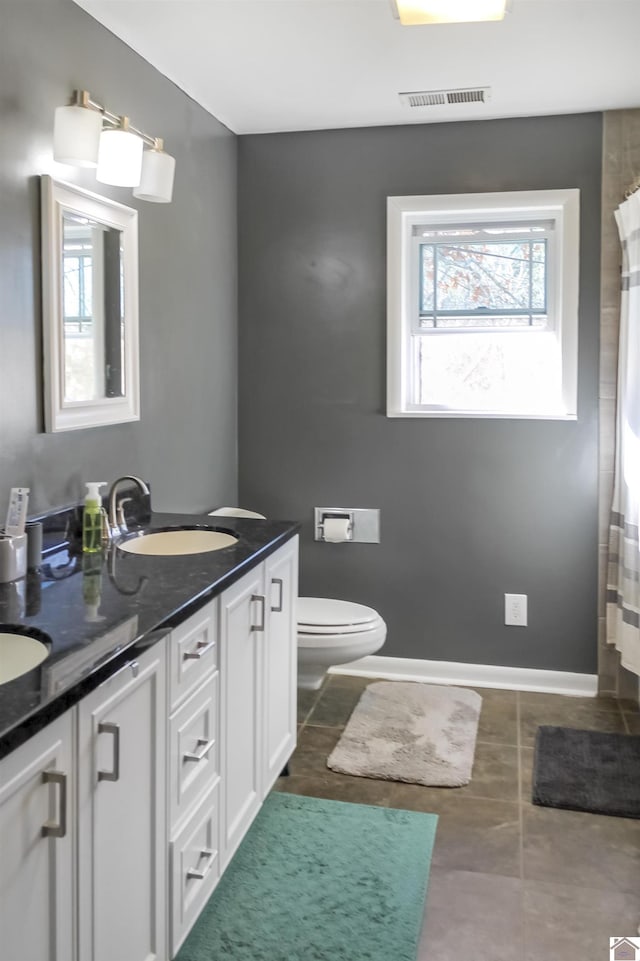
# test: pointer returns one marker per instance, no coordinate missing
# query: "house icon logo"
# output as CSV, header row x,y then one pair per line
x,y
624,949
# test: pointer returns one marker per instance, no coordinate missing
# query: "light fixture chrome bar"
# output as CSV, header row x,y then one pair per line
x,y
82,98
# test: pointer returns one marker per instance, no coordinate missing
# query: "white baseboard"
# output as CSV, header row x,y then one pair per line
x,y
472,675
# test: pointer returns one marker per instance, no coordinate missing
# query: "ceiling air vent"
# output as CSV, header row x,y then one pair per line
x,y
433,98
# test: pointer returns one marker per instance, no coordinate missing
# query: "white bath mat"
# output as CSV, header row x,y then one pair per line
x,y
413,732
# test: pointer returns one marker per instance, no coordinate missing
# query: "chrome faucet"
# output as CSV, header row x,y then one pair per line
x,y
117,524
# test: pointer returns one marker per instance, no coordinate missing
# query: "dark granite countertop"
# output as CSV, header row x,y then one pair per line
x,y
138,600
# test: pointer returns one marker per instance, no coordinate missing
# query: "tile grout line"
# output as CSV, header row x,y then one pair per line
x,y
499,743
312,708
523,914
520,800
623,715
522,919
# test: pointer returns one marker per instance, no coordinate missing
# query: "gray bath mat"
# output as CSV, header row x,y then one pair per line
x,y
413,732
587,771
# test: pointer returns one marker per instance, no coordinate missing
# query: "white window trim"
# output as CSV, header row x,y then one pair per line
x,y
403,213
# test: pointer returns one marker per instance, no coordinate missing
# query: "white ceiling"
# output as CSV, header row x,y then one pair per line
x,y
275,65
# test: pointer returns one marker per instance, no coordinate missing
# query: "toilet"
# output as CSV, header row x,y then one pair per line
x,y
330,632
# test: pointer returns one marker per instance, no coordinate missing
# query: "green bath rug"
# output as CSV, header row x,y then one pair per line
x,y
318,880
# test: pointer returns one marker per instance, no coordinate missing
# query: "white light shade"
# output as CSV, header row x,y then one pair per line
x,y
76,135
119,158
413,12
156,182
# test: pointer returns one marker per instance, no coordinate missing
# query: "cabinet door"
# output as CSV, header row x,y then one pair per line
x,y
122,826
36,860
280,661
242,633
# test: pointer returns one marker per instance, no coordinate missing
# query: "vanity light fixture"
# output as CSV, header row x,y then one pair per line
x,y
120,156
414,12
76,132
86,134
156,181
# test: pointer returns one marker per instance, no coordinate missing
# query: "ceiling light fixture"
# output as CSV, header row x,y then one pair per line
x,y
414,12
86,134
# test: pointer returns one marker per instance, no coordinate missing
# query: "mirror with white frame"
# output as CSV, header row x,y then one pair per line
x,y
90,308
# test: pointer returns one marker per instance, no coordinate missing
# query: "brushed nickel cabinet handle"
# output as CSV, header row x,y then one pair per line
x,y
107,727
200,875
204,748
260,598
201,649
278,608
53,829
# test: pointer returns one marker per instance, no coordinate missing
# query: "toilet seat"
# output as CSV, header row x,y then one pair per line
x,y
332,632
326,616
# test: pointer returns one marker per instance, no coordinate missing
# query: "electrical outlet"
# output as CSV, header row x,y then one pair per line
x,y
515,610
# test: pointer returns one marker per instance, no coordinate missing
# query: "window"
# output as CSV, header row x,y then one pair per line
x,y
77,266
483,305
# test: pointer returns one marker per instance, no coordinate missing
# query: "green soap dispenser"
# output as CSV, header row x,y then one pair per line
x,y
92,519
92,586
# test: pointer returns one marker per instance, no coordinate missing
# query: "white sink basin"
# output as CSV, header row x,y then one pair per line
x,y
19,654
168,543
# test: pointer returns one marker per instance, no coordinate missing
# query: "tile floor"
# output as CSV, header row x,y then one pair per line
x,y
509,880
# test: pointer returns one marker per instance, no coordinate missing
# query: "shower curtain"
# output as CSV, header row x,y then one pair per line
x,y
623,580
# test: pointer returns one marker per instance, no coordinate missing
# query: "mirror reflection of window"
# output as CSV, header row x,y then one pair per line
x,y
93,310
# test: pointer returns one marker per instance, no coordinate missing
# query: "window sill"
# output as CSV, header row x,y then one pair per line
x,y
479,415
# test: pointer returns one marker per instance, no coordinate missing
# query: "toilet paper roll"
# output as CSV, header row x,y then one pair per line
x,y
336,529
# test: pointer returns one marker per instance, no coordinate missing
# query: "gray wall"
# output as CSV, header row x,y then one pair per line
x,y
185,443
470,509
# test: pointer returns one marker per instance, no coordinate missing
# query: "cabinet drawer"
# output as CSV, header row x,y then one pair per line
x,y
193,653
194,749
195,866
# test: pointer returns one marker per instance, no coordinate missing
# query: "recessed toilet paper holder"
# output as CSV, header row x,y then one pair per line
x,y
363,523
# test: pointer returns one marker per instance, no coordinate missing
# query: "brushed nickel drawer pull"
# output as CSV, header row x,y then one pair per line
x,y
51,829
278,608
200,875
201,649
107,727
260,598
204,746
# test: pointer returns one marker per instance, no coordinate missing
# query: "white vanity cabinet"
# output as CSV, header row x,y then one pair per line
x,y
121,814
37,783
119,818
280,665
108,752
242,634
194,769
258,668
232,726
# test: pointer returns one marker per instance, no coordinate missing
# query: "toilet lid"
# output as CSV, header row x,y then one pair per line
x,y
235,512
324,615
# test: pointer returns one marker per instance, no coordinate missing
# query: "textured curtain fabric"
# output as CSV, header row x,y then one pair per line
x,y
623,582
